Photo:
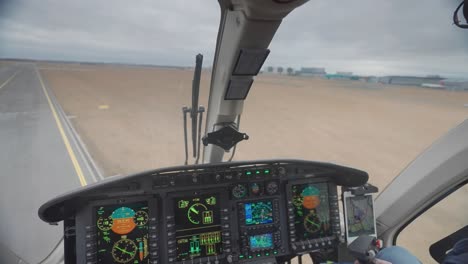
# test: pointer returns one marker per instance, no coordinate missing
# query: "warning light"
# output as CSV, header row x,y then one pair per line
x,y
248,172
257,172
266,171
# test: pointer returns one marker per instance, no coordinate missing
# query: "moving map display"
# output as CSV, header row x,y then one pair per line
x,y
198,227
360,215
260,242
311,210
257,213
122,235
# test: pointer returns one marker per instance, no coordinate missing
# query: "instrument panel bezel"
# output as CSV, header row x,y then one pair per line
x,y
158,186
86,227
307,245
169,209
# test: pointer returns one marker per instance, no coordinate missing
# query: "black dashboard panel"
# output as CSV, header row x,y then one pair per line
x,y
215,213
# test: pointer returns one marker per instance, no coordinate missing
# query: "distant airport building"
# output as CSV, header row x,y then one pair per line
x,y
371,79
344,73
410,80
342,76
311,72
455,84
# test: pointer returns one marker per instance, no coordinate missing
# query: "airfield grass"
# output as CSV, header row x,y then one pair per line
x,y
131,120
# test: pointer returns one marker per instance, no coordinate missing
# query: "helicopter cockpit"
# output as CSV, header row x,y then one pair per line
x,y
260,211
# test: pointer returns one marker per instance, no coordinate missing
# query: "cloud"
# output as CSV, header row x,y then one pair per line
x,y
374,36
365,36
116,31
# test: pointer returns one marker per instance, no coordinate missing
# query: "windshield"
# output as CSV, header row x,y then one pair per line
x,y
90,90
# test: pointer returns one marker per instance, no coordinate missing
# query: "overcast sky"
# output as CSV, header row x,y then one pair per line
x,y
364,36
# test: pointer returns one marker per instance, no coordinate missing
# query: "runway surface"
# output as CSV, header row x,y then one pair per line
x,y
40,158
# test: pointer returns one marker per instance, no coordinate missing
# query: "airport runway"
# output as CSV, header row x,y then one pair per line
x,y
40,158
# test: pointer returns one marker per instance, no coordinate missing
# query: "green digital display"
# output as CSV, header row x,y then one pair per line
x,y
198,227
257,213
122,233
311,210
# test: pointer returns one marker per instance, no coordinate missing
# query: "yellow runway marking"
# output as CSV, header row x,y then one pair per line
x,y
9,79
103,107
70,151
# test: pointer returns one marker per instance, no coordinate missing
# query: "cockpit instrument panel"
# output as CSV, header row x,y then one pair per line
x,y
122,234
197,227
237,212
257,213
311,210
313,214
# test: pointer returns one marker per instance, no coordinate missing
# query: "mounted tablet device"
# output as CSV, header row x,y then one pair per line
x,y
359,212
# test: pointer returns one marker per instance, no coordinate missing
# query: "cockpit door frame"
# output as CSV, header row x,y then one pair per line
x,y
429,178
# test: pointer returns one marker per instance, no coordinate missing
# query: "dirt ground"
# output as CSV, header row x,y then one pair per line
x,y
131,119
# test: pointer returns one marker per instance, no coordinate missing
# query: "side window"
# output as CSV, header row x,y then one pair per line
x,y
441,220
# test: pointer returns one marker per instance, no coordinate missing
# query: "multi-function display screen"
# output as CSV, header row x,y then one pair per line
x,y
257,213
198,226
122,235
360,215
261,242
311,210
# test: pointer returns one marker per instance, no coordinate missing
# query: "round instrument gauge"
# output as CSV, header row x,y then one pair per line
x,y
312,223
140,218
194,213
124,251
255,188
272,188
105,223
239,191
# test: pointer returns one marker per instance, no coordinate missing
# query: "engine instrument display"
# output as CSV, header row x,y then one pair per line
x,y
258,213
122,235
198,227
311,210
261,242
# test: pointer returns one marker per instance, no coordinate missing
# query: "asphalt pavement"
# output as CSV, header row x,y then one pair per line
x,y
40,158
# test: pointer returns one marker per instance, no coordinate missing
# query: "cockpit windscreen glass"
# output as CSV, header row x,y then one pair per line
x,y
122,235
311,210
